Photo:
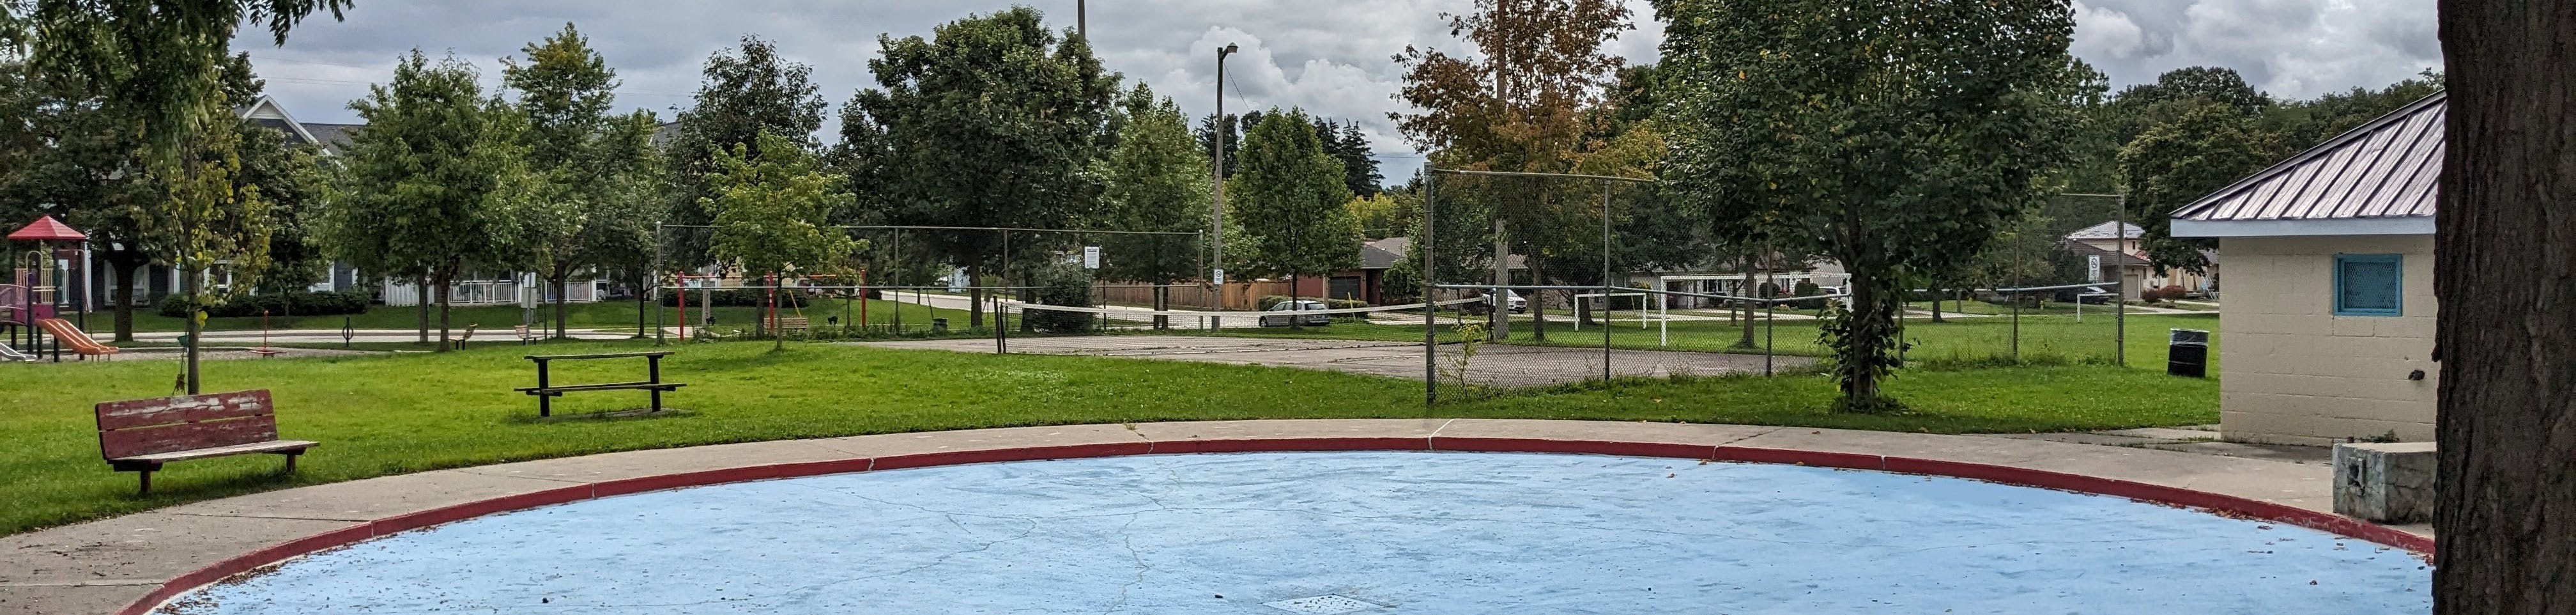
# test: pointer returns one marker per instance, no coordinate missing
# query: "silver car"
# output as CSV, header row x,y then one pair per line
x,y
1285,312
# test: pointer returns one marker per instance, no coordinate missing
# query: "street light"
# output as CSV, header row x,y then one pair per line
x,y
1217,210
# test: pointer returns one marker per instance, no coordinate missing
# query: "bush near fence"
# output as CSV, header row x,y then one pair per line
x,y
299,303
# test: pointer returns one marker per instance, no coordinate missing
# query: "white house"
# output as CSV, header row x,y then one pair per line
x,y
2328,335
2126,252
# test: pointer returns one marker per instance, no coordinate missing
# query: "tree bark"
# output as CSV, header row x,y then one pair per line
x,y
420,291
1501,312
563,294
1748,290
125,275
974,305
445,341
2505,506
1162,303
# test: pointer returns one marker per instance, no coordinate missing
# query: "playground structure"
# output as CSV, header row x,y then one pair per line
x,y
35,293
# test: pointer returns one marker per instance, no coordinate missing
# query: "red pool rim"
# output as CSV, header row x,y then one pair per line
x,y
2215,503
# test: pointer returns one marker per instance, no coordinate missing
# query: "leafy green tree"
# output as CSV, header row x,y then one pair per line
x,y
1157,181
744,93
70,156
210,217
1289,197
583,216
773,213
1894,138
436,184
2174,164
992,121
160,60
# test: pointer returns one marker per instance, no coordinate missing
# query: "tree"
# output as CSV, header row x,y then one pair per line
x,y
1516,105
1384,215
743,94
435,183
2506,340
773,213
1894,138
1157,181
576,222
2174,164
211,218
993,121
1289,198
161,60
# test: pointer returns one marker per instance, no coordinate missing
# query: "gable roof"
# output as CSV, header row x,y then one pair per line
x,y
2380,178
266,112
2104,231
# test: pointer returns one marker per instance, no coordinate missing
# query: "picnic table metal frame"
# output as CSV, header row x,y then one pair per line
x,y
545,391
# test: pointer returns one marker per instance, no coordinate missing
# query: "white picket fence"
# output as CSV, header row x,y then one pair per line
x,y
495,292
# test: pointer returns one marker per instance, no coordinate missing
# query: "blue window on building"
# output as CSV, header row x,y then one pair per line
x,y
2369,285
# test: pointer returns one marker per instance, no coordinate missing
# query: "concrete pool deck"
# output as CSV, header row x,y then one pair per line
x,y
127,564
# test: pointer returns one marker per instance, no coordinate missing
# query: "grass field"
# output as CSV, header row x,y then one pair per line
x,y
389,414
2044,339
611,315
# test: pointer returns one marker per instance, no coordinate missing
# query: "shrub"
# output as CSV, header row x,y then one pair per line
x,y
1067,286
2174,292
735,297
1807,288
298,303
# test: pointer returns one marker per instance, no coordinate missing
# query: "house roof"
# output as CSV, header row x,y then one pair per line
x,y
1384,253
2124,260
2379,178
46,229
2106,231
333,136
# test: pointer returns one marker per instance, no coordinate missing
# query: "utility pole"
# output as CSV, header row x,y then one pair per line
x,y
1220,125
1081,21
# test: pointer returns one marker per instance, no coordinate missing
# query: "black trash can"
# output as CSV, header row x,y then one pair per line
x,y
939,325
2187,353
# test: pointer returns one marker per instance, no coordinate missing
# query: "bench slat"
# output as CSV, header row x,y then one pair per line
x,y
273,446
667,386
116,415
126,443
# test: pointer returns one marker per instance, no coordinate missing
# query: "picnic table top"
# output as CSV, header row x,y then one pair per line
x,y
611,355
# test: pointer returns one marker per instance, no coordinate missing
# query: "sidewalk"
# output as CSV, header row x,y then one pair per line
x,y
103,566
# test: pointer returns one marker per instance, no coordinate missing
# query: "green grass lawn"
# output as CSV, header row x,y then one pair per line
x,y
610,315
2044,339
390,414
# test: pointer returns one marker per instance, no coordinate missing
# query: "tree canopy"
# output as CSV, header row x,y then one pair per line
x,y
1289,200
1157,180
744,93
773,212
1895,138
436,183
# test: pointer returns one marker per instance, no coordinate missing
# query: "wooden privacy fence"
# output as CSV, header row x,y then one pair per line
x,y
1191,295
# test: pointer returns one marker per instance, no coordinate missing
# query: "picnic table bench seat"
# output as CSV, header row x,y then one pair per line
x,y
545,391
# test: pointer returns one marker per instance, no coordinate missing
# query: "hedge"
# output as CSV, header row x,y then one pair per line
x,y
299,303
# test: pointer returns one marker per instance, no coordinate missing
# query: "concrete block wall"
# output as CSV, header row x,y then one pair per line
x,y
2290,371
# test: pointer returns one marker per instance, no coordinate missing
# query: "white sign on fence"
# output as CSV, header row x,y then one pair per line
x,y
1220,277
2093,268
1091,257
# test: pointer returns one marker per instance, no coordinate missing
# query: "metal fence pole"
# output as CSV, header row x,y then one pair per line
x,y
2120,319
1605,282
1770,319
1430,318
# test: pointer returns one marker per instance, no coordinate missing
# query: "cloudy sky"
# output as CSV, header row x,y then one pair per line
x,y
1329,56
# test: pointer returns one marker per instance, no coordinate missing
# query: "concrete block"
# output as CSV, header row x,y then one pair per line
x,y
2385,483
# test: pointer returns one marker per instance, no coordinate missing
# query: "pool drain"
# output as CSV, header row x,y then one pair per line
x,y
1322,605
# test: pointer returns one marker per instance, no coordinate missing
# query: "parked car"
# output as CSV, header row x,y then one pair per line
x,y
1287,313
1518,305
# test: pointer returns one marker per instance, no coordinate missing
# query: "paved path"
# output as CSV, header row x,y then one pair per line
x,y
1493,365
101,566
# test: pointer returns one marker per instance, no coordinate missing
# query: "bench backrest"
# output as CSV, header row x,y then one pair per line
x,y
149,426
797,322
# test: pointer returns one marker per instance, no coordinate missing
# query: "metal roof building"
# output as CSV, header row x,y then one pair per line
x,y
2378,179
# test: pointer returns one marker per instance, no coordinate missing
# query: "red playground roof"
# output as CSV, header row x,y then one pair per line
x,y
47,229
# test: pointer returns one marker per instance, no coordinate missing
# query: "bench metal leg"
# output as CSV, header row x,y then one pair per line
x,y
290,460
141,470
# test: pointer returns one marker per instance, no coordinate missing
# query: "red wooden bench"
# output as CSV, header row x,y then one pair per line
x,y
140,435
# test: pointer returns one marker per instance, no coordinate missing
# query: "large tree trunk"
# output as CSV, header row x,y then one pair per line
x,y
974,303
563,294
1748,290
445,342
1162,303
420,290
125,274
2505,505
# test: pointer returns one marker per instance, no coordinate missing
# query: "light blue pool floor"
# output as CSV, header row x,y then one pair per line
x,y
1386,532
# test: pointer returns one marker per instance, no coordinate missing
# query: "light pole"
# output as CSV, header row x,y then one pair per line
x,y
1216,212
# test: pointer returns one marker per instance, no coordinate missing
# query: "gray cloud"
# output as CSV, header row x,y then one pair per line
x,y
1331,57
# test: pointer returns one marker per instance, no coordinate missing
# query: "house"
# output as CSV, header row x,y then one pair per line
x,y
2329,335
2124,258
